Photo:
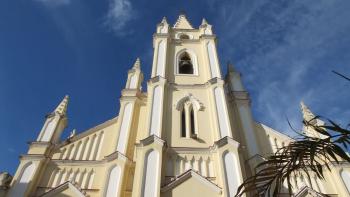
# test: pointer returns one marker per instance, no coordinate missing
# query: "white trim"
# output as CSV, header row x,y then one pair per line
x,y
222,112
112,181
213,62
156,113
24,178
150,178
160,69
345,176
232,175
124,128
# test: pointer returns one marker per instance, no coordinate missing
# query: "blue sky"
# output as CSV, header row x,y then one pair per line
x,y
48,48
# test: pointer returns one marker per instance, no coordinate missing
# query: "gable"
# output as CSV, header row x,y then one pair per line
x,y
308,192
191,184
183,23
64,190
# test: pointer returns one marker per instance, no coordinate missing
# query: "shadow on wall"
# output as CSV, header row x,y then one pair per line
x,y
266,148
18,189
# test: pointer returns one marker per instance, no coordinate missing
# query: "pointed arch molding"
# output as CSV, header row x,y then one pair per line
x,y
193,57
198,106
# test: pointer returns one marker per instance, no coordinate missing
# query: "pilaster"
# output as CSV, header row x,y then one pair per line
x,y
148,157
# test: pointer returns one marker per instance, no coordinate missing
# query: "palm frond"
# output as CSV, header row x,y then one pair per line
x,y
307,154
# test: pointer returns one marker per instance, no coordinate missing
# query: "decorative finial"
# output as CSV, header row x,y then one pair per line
x,y
182,13
62,107
204,22
72,133
137,64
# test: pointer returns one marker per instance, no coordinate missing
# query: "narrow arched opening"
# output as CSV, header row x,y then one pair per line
x,y
193,132
185,64
183,124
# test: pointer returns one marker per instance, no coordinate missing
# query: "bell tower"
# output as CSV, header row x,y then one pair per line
x,y
189,129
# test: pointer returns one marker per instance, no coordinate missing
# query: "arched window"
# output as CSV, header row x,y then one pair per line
x,y
193,133
188,123
183,123
185,64
188,108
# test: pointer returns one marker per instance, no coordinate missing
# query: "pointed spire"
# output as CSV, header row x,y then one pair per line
x,y
307,114
62,107
137,64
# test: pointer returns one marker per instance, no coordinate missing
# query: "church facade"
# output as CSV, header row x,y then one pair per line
x,y
191,134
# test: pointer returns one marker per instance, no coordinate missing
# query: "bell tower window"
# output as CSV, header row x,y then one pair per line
x,y
184,37
183,123
185,64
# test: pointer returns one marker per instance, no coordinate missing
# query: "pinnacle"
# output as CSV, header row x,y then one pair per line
x,y
204,22
307,114
137,64
62,107
164,21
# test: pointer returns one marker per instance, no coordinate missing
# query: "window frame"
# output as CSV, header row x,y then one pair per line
x,y
194,61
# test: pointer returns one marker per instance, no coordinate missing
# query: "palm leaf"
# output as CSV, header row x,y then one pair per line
x,y
307,155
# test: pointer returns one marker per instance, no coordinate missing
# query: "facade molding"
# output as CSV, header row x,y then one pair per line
x,y
150,140
67,185
191,174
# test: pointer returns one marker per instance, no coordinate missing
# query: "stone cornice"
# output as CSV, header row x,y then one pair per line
x,y
157,80
215,81
161,35
153,139
39,144
205,36
226,140
109,158
190,150
131,95
180,41
33,157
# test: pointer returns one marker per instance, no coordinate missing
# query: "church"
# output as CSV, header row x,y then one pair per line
x,y
191,134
